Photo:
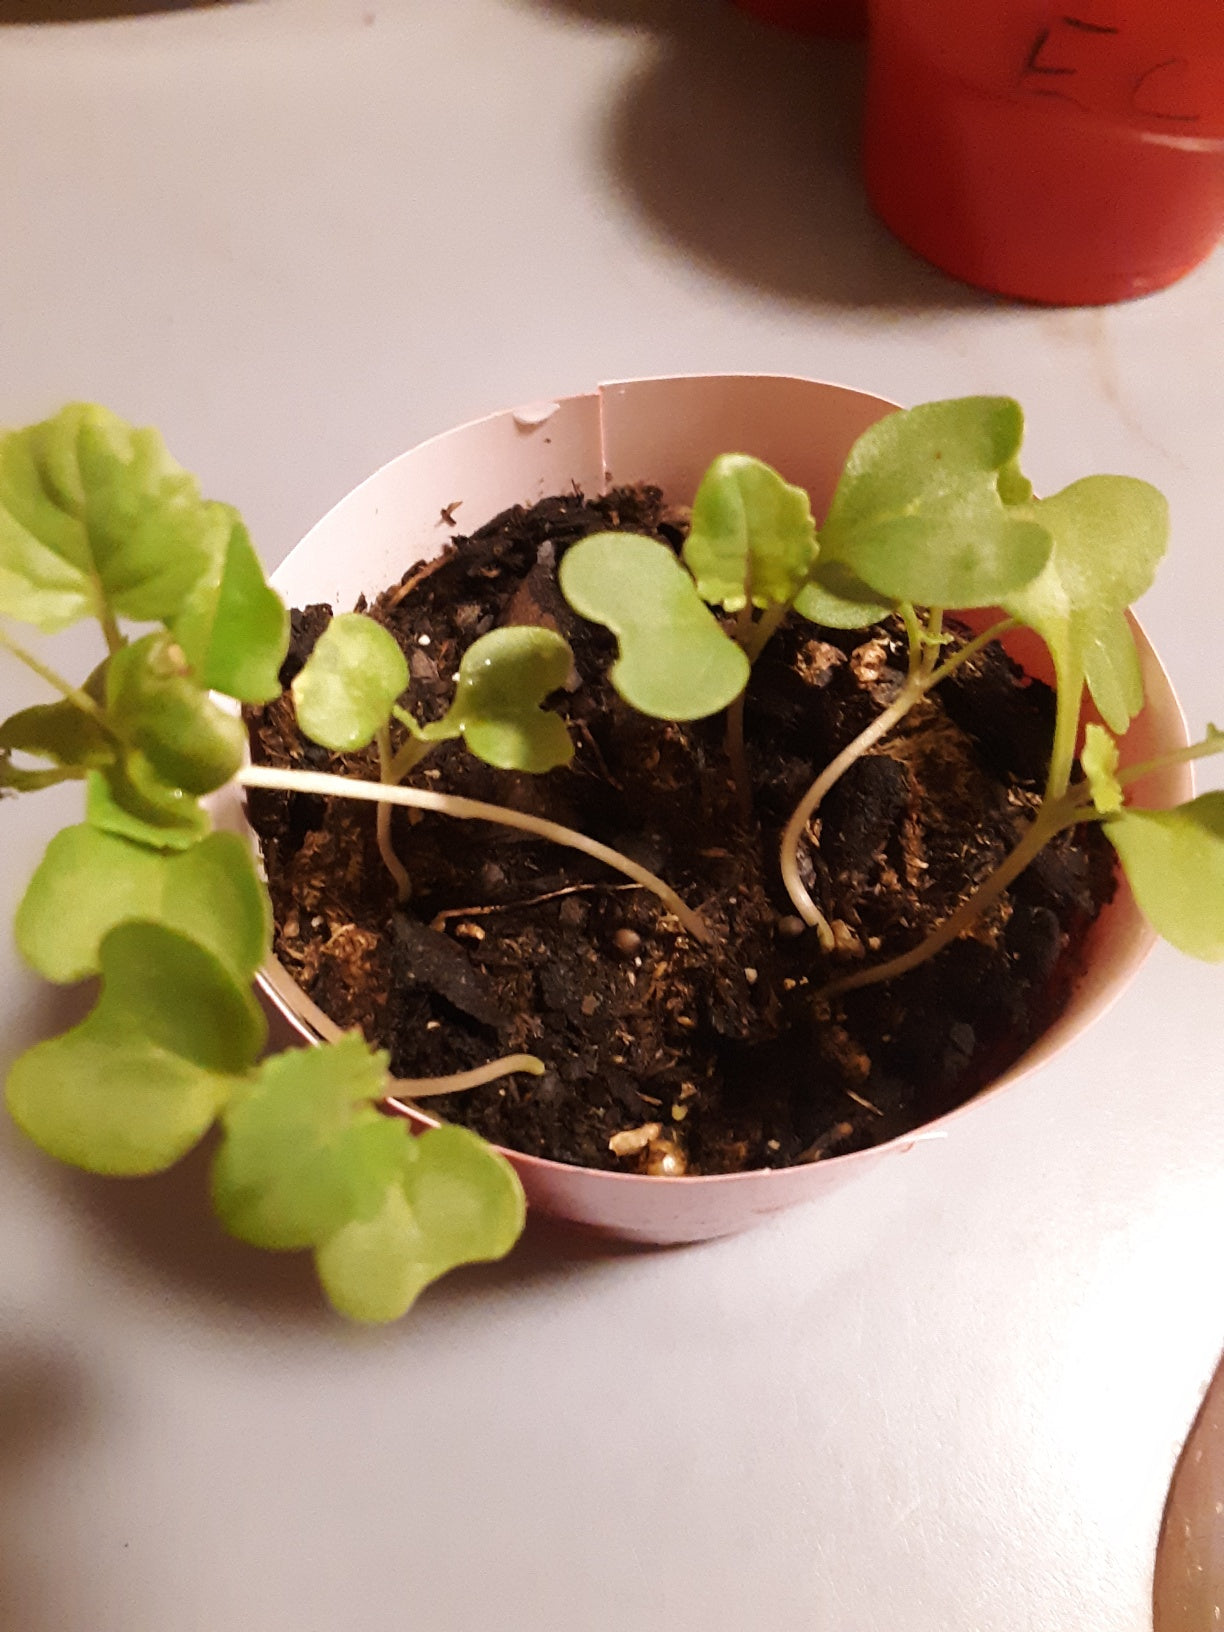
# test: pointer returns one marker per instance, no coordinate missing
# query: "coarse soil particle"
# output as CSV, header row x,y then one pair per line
x,y
662,1054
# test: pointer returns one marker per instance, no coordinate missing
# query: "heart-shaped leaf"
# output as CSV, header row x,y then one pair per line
x,y
675,662
89,881
503,678
458,1202
925,510
752,535
305,1152
139,1081
1174,861
345,691
1109,534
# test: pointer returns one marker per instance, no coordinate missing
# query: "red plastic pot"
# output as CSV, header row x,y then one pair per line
x,y
836,19
1073,156
666,431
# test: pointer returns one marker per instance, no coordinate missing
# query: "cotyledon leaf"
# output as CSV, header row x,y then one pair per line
x,y
925,510
503,678
88,881
1109,534
345,691
141,1079
457,1201
305,1153
675,662
1174,862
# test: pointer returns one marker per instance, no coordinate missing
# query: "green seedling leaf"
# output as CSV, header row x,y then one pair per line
x,y
232,627
157,703
457,1202
925,509
139,1081
1174,860
96,518
1109,534
675,662
346,690
127,798
752,535
89,881
836,599
1099,761
305,1152
503,678
60,732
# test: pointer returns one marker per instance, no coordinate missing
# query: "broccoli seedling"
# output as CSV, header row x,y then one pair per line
x,y
98,522
347,692
931,514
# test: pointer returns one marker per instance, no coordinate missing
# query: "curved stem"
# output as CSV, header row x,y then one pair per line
x,y
1212,744
918,682
449,804
72,694
410,753
833,771
386,770
1049,821
457,1081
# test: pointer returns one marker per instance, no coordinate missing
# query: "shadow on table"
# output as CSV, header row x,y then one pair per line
x,y
93,11
166,1225
738,145
43,1403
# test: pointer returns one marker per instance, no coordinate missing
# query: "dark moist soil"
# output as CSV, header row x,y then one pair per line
x,y
704,1059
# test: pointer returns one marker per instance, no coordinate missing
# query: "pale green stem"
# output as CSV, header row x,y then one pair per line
x,y
1048,821
412,751
764,629
1178,756
449,804
73,694
913,631
386,770
457,1081
917,684
1069,694
804,810
932,644
110,630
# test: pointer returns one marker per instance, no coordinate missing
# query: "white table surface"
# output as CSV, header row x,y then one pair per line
x,y
298,235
